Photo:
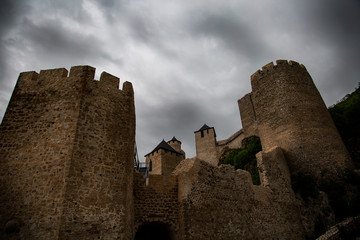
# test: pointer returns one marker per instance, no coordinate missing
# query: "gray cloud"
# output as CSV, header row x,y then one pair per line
x,y
233,34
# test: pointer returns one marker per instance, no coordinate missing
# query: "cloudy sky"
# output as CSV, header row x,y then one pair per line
x,y
189,61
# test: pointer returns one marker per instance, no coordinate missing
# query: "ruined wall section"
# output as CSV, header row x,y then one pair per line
x,y
248,115
99,186
291,114
156,202
36,142
275,207
221,203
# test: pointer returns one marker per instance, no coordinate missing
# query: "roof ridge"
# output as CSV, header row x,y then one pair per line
x,y
163,145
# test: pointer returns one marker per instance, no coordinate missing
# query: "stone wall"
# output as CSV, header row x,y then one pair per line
x,y
232,142
66,144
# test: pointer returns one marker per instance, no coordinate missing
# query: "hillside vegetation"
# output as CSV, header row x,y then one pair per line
x,y
346,116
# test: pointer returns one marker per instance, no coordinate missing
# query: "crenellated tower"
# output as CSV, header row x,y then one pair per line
x,y
67,144
286,110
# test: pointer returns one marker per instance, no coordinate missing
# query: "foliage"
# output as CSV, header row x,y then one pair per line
x,y
344,195
346,116
244,158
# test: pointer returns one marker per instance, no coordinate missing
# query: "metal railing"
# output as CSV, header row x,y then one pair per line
x,y
136,158
141,166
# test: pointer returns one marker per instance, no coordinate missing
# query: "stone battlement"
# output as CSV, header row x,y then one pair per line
x,y
27,80
270,67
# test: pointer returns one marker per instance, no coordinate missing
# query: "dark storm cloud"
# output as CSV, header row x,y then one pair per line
x,y
234,34
9,10
335,24
52,39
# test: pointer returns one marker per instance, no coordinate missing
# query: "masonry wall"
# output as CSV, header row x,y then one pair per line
x,y
232,142
58,135
291,114
157,202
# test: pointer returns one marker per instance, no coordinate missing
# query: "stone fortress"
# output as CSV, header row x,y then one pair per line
x,y
67,163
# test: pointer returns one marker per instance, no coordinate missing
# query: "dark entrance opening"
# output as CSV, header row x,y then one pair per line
x,y
154,230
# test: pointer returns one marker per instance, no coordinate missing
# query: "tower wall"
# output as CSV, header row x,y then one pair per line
x,y
163,162
290,113
175,145
205,141
67,156
247,115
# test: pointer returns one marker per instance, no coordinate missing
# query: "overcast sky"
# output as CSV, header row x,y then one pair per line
x,y
189,61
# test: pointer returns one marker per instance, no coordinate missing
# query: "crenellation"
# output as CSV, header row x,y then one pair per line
x,y
54,73
256,75
109,81
128,88
268,67
281,62
82,73
294,63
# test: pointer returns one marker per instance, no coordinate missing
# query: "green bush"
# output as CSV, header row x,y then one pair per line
x,y
244,158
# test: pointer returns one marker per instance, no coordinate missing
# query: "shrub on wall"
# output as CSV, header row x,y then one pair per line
x,y
244,158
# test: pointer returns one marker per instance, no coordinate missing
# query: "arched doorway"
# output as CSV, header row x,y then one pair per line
x,y
154,230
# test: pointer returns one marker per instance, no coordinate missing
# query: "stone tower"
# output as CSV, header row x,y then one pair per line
x,y
176,145
164,158
285,109
205,140
66,150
